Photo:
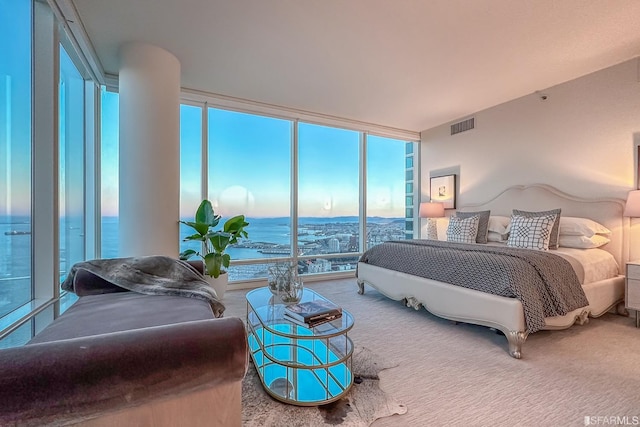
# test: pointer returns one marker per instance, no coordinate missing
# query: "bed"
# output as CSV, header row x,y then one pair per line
x,y
507,314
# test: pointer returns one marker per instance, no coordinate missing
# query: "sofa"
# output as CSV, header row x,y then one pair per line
x,y
118,357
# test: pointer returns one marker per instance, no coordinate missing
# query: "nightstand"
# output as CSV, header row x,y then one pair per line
x,y
632,291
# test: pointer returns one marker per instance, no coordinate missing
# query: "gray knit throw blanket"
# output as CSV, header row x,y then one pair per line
x,y
150,275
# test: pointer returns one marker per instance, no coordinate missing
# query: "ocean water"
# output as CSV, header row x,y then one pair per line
x,y
15,263
272,231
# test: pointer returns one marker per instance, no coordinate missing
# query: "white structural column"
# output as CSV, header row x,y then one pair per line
x,y
149,151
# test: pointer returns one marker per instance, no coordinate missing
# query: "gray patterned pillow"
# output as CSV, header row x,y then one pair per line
x,y
531,232
463,230
553,242
483,223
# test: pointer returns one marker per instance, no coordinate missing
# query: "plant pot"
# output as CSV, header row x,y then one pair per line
x,y
218,284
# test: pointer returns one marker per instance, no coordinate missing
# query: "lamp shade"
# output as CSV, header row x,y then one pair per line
x,y
431,210
632,208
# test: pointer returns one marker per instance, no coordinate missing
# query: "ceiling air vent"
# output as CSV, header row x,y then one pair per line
x,y
463,126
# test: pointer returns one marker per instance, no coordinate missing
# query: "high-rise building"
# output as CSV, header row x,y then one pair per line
x,y
334,245
409,190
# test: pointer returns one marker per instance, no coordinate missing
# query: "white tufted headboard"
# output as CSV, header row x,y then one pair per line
x,y
540,197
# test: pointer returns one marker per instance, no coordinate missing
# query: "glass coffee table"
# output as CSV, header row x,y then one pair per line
x,y
298,365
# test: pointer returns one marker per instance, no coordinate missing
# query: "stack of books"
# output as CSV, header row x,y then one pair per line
x,y
312,313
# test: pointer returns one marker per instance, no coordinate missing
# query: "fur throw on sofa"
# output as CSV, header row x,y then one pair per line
x,y
149,275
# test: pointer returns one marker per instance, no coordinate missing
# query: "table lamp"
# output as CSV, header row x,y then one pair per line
x,y
431,211
632,208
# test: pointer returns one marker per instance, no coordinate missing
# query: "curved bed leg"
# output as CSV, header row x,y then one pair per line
x,y
582,318
413,303
516,339
361,287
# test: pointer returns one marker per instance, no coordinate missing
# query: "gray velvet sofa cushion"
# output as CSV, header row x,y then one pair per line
x,y
121,311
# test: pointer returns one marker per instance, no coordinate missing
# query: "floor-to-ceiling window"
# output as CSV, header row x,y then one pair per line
x,y
299,185
191,156
71,167
249,173
386,189
328,197
15,155
109,181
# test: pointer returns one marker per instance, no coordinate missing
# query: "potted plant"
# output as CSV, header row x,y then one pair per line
x,y
214,243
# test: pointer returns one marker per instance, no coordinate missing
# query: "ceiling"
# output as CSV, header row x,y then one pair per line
x,y
407,64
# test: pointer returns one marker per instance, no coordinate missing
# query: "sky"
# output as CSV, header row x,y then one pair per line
x,y
15,107
249,164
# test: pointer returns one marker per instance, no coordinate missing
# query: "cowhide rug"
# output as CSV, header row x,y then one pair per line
x,y
361,406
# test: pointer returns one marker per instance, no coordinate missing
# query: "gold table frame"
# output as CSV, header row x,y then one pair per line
x,y
299,365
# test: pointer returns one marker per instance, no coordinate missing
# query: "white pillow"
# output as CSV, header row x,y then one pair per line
x,y
582,242
463,230
573,226
497,237
499,224
531,232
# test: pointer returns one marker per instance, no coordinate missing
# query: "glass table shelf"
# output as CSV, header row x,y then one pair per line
x,y
296,364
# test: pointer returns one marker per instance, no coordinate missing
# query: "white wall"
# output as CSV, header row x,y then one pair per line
x,y
581,140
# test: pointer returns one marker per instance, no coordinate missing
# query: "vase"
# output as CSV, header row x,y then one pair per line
x,y
292,294
219,284
284,284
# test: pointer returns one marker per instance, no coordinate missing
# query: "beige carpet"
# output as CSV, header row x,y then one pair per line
x,y
462,375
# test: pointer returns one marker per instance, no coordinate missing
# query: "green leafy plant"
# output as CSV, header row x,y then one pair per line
x,y
214,242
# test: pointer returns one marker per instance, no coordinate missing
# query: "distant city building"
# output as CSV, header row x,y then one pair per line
x,y
328,238
320,266
410,191
334,245
353,244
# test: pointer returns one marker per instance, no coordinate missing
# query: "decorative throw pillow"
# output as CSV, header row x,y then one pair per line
x,y
483,223
553,241
531,232
463,230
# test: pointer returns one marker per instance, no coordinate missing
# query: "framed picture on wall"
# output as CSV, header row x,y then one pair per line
x,y
443,190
